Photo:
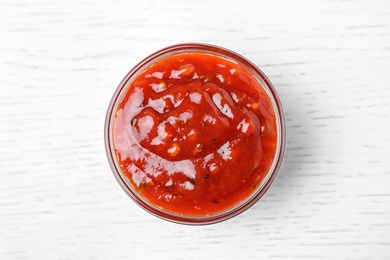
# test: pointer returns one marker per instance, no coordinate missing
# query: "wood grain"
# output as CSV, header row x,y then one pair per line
x,y
60,62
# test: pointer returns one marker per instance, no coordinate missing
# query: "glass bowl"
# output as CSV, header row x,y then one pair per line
x,y
178,217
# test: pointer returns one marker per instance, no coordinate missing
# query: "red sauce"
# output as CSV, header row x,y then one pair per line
x,y
195,134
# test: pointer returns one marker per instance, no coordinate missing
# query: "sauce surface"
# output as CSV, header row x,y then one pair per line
x,y
195,133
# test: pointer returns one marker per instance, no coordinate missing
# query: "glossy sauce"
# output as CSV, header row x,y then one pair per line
x,y
195,134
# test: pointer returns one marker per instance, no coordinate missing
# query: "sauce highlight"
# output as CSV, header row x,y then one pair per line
x,y
195,134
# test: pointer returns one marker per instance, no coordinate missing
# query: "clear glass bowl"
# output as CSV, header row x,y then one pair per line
x,y
179,218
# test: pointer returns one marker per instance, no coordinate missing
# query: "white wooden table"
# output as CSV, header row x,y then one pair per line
x,y
60,62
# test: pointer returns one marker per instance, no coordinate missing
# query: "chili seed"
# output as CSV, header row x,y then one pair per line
x,y
198,148
255,105
186,69
174,150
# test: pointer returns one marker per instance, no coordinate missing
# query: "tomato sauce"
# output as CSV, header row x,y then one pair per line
x,y
195,133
